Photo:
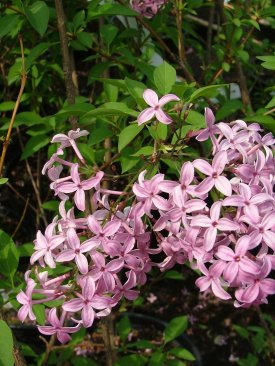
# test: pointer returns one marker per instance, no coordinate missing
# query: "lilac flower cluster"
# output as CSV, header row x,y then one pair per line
x,y
219,216
106,252
147,8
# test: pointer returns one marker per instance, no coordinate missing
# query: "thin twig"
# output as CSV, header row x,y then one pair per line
x,y
243,87
178,8
66,60
17,103
36,191
20,196
21,219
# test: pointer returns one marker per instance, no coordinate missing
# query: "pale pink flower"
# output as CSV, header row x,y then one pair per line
x,y
78,186
57,327
214,174
76,250
155,109
87,302
213,224
69,140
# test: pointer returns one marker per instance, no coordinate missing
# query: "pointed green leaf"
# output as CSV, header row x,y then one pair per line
x,y
128,134
175,328
6,342
164,77
207,91
34,144
38,16
9,256
182,353
7,23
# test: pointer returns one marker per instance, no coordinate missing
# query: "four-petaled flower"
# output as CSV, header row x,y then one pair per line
x,y
57,327
155,109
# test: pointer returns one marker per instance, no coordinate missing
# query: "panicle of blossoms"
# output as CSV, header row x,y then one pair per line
x,y
147,8
98,250
231,240
107,253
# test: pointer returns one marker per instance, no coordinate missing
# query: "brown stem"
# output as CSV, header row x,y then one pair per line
x,y
36,191
209,35
220,8
21,197
189,77
21,219
243,86
178,8
66,60
108,334
16,352
17,103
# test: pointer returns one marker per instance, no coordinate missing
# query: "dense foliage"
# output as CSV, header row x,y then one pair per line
x,y
163,112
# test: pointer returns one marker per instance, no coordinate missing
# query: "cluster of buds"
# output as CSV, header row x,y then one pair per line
x,y
218,216
147,8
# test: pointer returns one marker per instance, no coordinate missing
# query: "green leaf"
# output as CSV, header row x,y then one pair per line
x,y
175,328
241,331
7,23
6,342
87,152
51,205
85,38
7,106
271,104
111,109
39,312
128,134
175,363
83,361
100,133
3,180
127,161
15,72
136,89
269,62
108,33
38,16
182,353
36,52
195,119
229,108
207,91
164,77
133,360
173,275
142,344
226,66
124,328
157,359
109,9
145,150
8,255
111,92
243,55
25,250
34,144
266,121
28,119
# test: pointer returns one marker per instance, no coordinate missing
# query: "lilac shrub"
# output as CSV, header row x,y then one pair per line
x,y
218,216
